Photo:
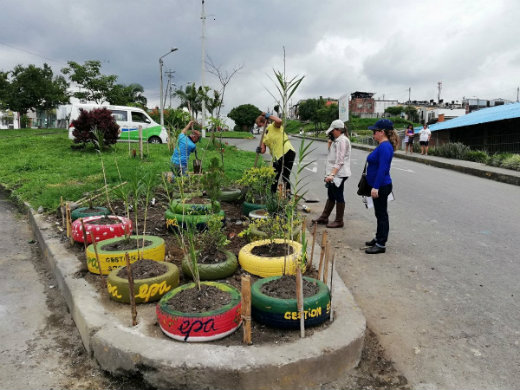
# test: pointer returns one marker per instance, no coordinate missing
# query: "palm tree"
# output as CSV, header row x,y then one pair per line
x,y
189,99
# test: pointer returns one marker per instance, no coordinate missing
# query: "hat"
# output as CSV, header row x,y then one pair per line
x,y
382,124
337,124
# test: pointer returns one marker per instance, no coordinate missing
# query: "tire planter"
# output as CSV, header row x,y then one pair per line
x,y
174,220
145,290
196,327
111,260
258,214
283,313
177,207
213,271
256,234
230,195
119,228
83,212
264,266
248,207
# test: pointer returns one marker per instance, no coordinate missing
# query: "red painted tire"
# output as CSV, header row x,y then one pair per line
x,y
119,228
196,327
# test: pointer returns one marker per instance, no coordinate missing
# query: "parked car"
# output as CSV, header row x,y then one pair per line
x,y
129,119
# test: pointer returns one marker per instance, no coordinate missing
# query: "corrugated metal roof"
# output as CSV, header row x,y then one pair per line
x,y
492,114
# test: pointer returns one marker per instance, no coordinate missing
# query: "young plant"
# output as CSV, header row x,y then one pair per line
x,y
212,181
257,183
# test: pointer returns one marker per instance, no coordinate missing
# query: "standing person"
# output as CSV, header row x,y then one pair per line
x,y
409,138
424,139
185,146
280,147
378,177
337,171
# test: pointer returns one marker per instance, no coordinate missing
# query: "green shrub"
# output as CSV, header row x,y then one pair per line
x,y
477,156
454,150
87,123
512,162
497,159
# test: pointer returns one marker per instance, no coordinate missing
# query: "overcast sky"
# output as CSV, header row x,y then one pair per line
x,y
340,46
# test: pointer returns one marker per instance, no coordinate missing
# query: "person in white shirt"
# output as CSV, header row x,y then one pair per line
x,y
424,138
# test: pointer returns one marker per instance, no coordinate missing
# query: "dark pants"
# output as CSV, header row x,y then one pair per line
x,y
381,211
336,193
283,167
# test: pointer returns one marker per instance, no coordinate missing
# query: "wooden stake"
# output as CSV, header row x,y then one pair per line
x,y
330,290
62,210
299,300
103,282
131,289
141,142
326,265
246,309
67,217
85,240
322,254
313,242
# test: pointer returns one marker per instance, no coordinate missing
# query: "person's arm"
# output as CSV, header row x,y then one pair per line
x,y
384,158
341,150
185,130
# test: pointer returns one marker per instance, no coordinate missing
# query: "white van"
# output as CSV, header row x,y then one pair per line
x,y
129,119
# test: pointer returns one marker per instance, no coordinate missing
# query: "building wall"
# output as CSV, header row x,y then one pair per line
x,y
362,107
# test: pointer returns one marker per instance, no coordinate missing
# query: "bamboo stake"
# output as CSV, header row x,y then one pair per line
x,y
104,188
330,290
85,241
62,210
326,267
322,254
246,309
131,289
313,242
67,216
103,282
299,300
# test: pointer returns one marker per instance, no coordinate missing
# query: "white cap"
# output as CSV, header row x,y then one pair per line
x,y
337,124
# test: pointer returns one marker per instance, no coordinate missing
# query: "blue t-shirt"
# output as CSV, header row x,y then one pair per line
x,y
378,169
185,147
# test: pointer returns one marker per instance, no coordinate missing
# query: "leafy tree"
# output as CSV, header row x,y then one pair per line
x,y
4,85
189,99
88,76
34,88
97,126
173,117
244,116
411,113
127,95
394,110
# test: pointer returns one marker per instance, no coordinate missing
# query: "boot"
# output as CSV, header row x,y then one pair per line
x,y
338,223
323,219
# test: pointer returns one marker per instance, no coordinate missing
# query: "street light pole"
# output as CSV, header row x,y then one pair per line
x,y
161,103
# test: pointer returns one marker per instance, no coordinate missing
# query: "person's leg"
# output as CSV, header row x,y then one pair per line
x,y
287,161
277,166
323,219
426,147
340,204
383,223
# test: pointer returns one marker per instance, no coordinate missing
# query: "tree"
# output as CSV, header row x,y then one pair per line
x,y
394,110
244,116
34,88
4,85
189,99
97,126
224,77
126,95
411,113
97,87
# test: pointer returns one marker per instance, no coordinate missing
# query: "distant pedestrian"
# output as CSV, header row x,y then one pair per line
x,y
181,154
280,147
424,139
409,134
337,171
378,177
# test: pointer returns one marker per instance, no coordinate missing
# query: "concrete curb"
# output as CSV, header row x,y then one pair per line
x,y
143,350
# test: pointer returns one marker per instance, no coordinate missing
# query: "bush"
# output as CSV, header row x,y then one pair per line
x,y
512,162
477,156
87,123
496,160
455,150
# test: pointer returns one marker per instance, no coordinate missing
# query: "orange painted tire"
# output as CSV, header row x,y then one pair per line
x,y
196,327
119,228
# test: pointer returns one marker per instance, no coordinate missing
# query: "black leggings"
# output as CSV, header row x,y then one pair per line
x,y
283,167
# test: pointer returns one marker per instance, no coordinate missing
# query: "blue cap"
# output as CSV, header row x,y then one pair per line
x,y
382,124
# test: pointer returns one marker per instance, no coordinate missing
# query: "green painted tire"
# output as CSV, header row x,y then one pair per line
x,y
264,266
145,290
198,327
111,260
213,271
248,207
283,313
177,207
174,220
82,212
232,195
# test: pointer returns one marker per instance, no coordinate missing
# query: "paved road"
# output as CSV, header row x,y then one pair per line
x,y
443,300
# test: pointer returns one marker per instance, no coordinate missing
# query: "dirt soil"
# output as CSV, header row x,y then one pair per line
x,y
143,269
285,287
375,371
272,250
191,300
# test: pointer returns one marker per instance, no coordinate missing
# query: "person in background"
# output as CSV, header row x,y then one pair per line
x,y
378,177
280,147
409,134
337,171
424,139
185,146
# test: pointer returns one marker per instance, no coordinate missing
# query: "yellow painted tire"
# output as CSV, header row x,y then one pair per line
x,y
269,266
112,259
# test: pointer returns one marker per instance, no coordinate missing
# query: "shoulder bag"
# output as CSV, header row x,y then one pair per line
x,y
364,188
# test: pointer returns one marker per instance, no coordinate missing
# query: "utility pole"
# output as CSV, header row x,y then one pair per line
x,y
409,94
439,87
203,69
169,73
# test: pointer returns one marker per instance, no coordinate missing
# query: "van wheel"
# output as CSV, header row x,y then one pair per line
x,y
154,140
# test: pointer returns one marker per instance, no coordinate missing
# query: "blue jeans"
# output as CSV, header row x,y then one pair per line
x,y
381,212
336,193
179,170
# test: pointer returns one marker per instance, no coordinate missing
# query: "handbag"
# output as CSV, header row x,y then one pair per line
x,y
364,188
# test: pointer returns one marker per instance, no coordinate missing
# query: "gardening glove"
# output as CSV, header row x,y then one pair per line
x,y
258,149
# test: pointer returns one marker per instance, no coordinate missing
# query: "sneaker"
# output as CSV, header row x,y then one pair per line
x,y
371,243
374,250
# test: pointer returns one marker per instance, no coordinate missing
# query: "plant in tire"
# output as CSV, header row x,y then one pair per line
x,y
100,119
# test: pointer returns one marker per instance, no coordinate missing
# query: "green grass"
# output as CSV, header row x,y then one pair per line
x,y
39,166
233,134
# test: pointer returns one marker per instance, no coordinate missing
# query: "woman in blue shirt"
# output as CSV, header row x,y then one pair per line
x,y
378,177
185,146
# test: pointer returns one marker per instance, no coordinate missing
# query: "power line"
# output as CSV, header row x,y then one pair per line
x,y
33,53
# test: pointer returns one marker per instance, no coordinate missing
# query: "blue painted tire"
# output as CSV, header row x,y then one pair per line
x,y
248,207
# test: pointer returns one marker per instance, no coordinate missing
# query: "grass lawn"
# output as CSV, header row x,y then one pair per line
x,y
233,134
39,166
